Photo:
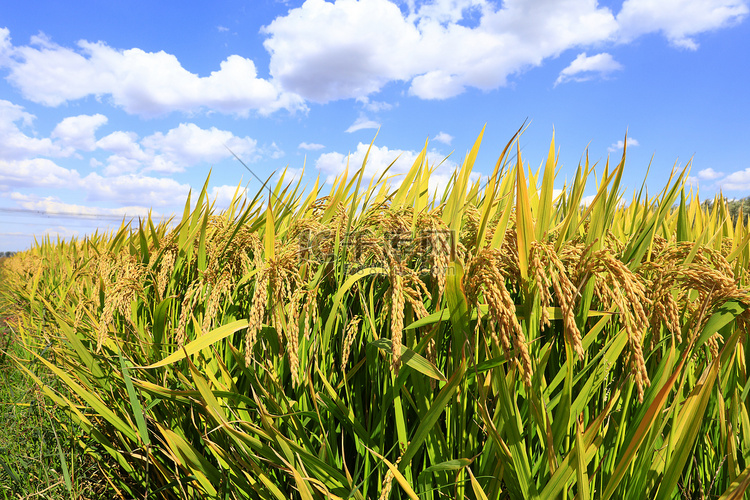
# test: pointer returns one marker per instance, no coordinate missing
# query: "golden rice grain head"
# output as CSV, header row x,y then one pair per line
x,y
519,341
166,267
566,298
665,309
292,335
257,313
483,278
397,318
220,289
385,492
124,287
352,329
636,359
414,298
186,309
542,282
713,344
431,355
103,327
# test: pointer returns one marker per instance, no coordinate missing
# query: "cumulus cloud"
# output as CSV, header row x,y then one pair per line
x,y
448,11
177,149
127,157
223,195
444,138
619,145
189,144
310,146
125,179
438,54
272,151
22,164
587,200
5,46
709,174
736,181
125,189
53,205
79,131
122,143
446,46
362,123
17,145
353,60
438,48
585,68
374,106
120,165
678,20
36,172
135,189
140,82
380,157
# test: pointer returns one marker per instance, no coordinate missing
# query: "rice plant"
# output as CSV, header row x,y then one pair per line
x,y
374,340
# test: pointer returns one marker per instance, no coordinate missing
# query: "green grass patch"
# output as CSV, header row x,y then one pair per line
x,y
40,456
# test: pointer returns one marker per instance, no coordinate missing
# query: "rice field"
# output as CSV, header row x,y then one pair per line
x,y
374,340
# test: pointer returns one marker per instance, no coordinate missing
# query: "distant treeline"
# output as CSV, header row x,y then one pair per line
x,y
734,207
6,254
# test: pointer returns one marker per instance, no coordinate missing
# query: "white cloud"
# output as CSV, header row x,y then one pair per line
x,y
128,189
619,145
310,146
438,48
15,144
291,175
124,144
586,67
128,155
442,47
444,138
79,132
5,46
362,123
143,83
36,172
189,144
448,11
134,189
223,195
170,152
587,200
678,20
353,60
709,174
380,157
439,56
119,165
374,106
62,232
53,205
273,151
177,149
736,181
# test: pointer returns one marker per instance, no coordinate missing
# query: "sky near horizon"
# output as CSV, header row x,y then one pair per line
x,y
109,109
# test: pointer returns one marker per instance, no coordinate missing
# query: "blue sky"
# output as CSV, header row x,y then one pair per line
x,y
109,109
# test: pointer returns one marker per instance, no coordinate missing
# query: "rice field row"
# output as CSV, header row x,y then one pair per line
x,y
370,341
